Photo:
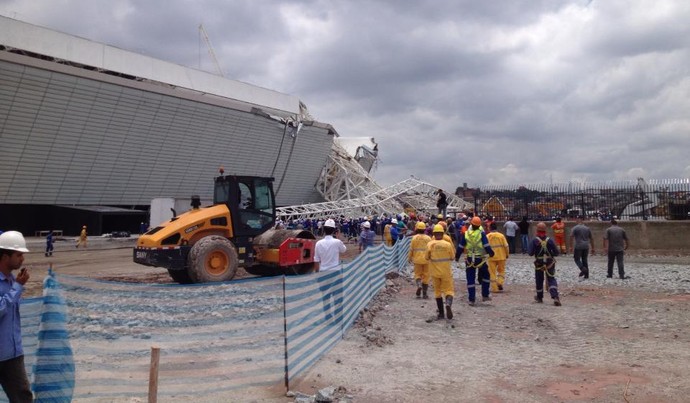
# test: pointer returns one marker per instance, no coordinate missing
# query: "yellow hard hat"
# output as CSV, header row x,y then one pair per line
x,y
438,228
420,226
440,216
476,221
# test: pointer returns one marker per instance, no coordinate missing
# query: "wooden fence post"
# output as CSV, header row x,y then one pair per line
x,y
153,374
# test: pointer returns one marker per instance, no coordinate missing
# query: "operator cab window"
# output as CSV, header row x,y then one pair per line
x,y
255,204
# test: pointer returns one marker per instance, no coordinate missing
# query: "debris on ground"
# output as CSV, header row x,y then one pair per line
x,y
374,335
328,394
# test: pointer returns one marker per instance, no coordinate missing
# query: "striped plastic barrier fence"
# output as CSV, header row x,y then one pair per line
x,y
213,338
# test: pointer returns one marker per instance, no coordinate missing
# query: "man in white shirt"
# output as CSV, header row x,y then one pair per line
x,y
327,251
511,229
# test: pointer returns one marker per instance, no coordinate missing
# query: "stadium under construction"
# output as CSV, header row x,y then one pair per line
x,y
91,134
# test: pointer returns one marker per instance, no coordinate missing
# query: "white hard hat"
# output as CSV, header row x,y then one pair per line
x,y
329,223
394,221
13,240
366,224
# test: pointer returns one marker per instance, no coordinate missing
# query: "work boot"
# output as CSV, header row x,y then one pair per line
x,y
439,305
557,302
538,300
500,288
486,299
471,303
425,287
449,303
419,292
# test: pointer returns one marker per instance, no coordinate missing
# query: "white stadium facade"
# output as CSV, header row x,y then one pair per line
x,y
90,134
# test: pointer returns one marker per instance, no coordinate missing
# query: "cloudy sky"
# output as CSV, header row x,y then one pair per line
x,y
453,91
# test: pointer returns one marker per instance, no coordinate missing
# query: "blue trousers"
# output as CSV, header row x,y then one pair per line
x,y
524,240
550,279
484,278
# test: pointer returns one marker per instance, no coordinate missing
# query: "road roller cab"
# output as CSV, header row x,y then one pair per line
x,y
208,244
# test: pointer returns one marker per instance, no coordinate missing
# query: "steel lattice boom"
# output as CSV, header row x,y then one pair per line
x,y
410,193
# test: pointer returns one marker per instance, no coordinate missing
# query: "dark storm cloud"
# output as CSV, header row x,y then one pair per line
x,y
453,91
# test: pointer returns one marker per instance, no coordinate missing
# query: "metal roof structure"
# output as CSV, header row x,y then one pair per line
x,y
75,51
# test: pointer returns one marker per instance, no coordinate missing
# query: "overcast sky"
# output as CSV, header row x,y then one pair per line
x,y
483,92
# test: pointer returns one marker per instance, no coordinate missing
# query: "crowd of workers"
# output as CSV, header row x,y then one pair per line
x,y
438,240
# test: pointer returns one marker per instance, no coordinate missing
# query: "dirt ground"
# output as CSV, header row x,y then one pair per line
x,y
605,344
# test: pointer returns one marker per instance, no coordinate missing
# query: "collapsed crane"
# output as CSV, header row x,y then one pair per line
x,y
351,192
211,52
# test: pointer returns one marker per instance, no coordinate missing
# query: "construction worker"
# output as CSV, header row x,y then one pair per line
x,y
387,239
417,256
82,237
394,231
544,250
559,235
13,377
477,246
487,223
402,229
497,263
616,243
366,237
442,204
440,255
327,251
581,243
49,243
446,236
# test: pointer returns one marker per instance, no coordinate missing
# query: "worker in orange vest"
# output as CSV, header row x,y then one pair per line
x,y
559,235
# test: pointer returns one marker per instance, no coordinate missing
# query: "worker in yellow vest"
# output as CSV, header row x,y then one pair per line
x,y
476,244
417,256
440,255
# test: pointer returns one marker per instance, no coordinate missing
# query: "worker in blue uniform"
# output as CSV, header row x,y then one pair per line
x,y
477,246
544,250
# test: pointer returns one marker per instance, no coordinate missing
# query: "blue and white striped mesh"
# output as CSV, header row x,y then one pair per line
x,y
213,338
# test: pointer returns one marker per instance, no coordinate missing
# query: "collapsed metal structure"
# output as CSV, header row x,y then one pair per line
x,y
351,192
